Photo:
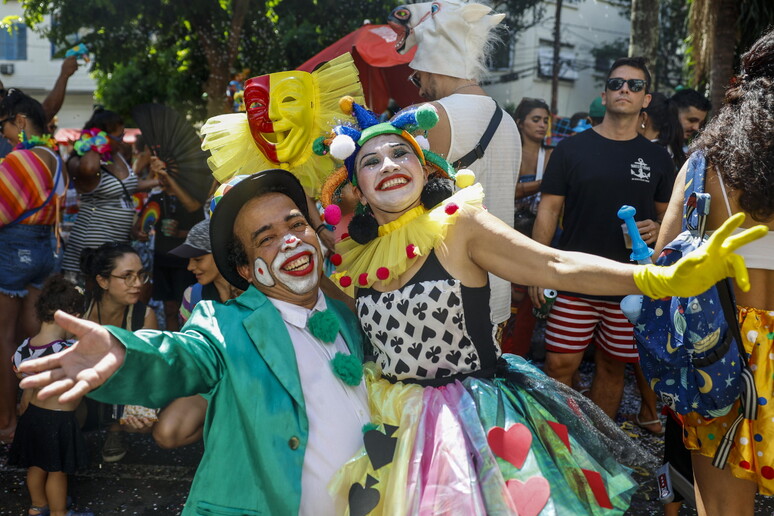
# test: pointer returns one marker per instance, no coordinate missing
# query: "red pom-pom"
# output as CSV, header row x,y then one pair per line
x,y
345,281
363,279
382,273
344,235
336,259
411,251
332,214
451,208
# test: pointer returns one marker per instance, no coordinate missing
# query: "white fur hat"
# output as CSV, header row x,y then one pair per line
x,y
452,37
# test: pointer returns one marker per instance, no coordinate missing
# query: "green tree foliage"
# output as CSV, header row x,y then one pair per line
x,y
183,52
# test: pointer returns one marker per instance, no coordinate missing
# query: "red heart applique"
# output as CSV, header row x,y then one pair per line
x,y
529,497
512,444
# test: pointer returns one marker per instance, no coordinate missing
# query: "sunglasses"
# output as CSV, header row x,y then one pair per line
x,y
635,85
414,79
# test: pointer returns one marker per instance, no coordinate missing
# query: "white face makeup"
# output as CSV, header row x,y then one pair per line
x,y
261,272
295,266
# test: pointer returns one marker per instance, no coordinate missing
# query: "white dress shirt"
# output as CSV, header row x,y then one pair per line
x,y
336,411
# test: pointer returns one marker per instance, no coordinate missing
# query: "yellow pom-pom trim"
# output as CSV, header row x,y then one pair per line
x,y
346,104
464,178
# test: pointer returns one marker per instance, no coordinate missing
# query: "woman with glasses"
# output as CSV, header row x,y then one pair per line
x,y
114,281
105,181
33,181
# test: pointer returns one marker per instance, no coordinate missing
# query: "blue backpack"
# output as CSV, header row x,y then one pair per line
x,y
690,348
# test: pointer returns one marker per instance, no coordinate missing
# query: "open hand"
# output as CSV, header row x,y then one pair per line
x,y
83,367
700,269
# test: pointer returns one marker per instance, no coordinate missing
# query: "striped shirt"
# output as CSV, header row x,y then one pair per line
x,y
106,215
25,184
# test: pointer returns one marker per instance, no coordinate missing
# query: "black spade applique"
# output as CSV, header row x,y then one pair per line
x,y
401,367
440,315
392,323
427,333
380,446
363,500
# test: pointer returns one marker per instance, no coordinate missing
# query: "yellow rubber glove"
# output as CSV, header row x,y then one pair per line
x,y
700,269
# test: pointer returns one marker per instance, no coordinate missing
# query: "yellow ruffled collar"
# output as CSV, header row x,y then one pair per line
x,y
401,221
413,234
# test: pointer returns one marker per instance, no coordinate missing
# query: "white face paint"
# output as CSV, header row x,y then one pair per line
x,y
261,272
295,266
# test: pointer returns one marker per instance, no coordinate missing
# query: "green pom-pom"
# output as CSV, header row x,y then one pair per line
x,y
324,325
348,368
319,147
369,426
426,116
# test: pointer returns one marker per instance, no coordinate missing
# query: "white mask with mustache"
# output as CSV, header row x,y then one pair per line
x,y
292,246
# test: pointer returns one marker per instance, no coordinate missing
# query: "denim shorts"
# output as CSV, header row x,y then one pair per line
x,y
26,258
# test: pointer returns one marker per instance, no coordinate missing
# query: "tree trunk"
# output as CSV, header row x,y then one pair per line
x,y
643,40
723,51
220,55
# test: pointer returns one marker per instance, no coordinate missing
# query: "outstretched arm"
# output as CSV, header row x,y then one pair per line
x,y
79,369
53,102
148,367
496,248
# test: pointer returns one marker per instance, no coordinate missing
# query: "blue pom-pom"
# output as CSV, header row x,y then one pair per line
x,y
348,368
324,325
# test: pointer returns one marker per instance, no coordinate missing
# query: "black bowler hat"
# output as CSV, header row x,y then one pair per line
x,y
225,213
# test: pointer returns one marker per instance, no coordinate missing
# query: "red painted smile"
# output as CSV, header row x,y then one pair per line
x,y
299,264
393,182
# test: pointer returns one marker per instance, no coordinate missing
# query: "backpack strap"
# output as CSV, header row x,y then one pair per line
x,y
694,185
478,151
749,396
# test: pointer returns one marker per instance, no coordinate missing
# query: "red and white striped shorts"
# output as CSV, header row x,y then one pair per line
x,y
574,321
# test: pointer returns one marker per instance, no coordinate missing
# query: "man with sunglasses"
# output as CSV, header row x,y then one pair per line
x,y
590,176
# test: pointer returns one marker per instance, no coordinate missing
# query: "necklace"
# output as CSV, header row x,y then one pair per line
x,y
463,87
28,142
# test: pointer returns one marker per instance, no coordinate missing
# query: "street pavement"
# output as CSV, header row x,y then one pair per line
x,y
152,481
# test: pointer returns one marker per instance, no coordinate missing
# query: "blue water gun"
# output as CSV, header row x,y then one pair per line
x,y
631,306
79,51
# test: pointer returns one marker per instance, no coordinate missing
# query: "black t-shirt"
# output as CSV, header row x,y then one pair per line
x,y
597,176
172,208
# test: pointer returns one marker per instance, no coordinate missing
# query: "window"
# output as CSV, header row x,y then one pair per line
x,y
13,44
567,61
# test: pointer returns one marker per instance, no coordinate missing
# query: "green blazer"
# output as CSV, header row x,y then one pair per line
x,y
239,356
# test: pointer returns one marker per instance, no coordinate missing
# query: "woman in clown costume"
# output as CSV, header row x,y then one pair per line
x,y
457,427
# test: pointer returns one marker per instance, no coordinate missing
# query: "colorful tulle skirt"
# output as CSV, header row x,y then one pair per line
x,y
519,443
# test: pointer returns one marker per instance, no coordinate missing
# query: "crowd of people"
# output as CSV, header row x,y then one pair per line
x,y
347,322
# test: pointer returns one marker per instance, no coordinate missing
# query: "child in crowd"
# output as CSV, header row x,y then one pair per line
x,y
48,440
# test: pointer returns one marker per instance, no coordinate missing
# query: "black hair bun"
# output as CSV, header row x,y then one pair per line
x,y
436,191
363,227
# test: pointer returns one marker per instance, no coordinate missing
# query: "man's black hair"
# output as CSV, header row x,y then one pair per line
x,y
687,97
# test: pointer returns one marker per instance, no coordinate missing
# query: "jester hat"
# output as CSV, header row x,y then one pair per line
x,y
345,141
285,112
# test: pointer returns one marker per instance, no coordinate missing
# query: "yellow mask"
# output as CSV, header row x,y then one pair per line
x,y
285,112
281,113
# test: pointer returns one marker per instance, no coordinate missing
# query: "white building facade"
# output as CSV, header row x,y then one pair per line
x,y
585,25
26,63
